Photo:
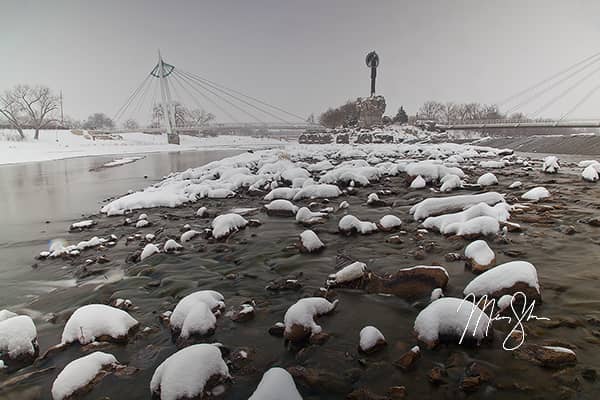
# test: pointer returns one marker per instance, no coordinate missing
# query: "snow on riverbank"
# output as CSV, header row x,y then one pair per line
x,y
60,144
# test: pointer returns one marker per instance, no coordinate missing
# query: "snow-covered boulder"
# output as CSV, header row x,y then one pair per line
x,y
318,191
98,322
418,183
171,246
192,372
78,376
225,224
515,185
450,223
475,227
493,164
299,319
349,224
487,179
408,360
202,212
550,165
374,200
194,314
590,173
450,182
439,205
149,250
276,384
281,207
389,222
432,170
281,193
310,242
447,318
18,339
188,235
349,273
81,225
307,217
142,223
479,256
546,356
371,340
507,278
536,194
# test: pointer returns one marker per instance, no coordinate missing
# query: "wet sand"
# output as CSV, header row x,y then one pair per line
x,y
244,264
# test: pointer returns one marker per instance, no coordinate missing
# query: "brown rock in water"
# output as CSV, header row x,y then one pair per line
x,y
408,283
365,394
437,375
479,268
531,292
297,333
407,360
397,392
320,380
319,338
546,356
451,257
395,239
476,369
277,329
470,383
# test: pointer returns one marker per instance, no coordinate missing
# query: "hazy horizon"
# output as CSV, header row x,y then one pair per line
x,y
305,56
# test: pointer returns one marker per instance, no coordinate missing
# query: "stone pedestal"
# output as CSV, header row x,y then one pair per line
x,y
370,111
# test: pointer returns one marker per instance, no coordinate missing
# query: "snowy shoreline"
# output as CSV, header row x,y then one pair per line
x,y
59,145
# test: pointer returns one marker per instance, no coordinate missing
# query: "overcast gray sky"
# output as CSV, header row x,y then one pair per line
x,y
305,55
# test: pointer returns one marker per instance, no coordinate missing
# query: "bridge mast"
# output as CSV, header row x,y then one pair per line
x,y
167,104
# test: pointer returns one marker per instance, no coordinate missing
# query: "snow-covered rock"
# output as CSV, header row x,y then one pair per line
x,y
317,191
550,165
185,374
536,194
98,322
276,384
88,223
194,315
281,193
370,339
439,205
310,242
487,179
142,223
188,235
171,245
479,256
18,338
225,224
590,173
507,278
450,182
389,222
478,226
436,293
349,273
515,185
448,318
149,250
450,223
77,376
305,216
349,224
202,212
299,319
281,207
493,164
432,170
418,183
6,314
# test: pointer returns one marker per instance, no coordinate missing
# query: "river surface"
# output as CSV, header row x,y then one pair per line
x,y
244,264
40,200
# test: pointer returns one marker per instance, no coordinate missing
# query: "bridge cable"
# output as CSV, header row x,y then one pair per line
x,y
583,100
564,92
223,99
181,82
130,98
248,96
238,99
141,101
543,81
555,84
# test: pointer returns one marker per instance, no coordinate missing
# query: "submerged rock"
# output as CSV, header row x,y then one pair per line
x,y
546,356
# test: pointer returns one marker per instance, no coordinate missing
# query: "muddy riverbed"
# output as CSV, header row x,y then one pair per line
x,y
556,240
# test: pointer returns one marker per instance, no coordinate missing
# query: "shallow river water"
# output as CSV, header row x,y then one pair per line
x,y
242,266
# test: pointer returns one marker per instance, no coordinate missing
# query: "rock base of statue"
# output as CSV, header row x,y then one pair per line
x,y
173,138
370,111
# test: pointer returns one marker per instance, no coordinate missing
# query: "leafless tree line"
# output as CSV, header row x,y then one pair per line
x,y
451,112
26,105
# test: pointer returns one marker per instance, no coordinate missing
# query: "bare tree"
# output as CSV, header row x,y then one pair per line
x,y
12,110
38,103
98,121
431,110
131,125
199,117
181,115
450,111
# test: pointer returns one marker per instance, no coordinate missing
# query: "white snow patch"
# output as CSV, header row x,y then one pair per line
x,y
438,205
94,320
418,183
276,384
480,252
282,205
79,373
310,241
550,164
487,179
224,224
305,310
349,222
149,250
369,336
17,335
390,221
349,273
536,194
503,276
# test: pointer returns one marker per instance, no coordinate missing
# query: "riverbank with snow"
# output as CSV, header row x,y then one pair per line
x,y
61,144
